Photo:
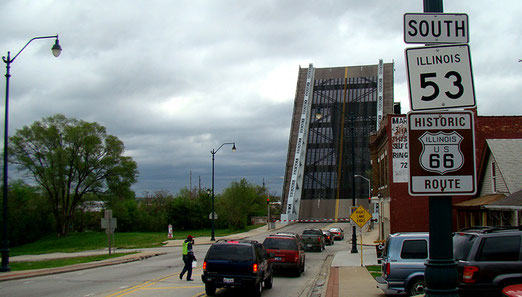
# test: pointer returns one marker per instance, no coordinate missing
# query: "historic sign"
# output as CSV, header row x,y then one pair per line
x,y
441,153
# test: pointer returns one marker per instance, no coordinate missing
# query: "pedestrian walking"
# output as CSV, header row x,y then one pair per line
x,y
188,257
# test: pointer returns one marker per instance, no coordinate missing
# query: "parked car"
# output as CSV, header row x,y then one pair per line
x,y
402,265
237,263
328,238
313,239
512,291
337,233
288,252
489,259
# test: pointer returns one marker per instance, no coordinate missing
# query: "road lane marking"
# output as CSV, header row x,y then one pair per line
x,y
147,284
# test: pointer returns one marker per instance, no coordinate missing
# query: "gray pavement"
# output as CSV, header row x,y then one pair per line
x,y
346,277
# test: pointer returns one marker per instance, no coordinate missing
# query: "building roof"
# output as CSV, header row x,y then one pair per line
x,y
513,201
481,201
508,155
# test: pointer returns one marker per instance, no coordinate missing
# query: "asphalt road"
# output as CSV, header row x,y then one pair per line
x,y
159,276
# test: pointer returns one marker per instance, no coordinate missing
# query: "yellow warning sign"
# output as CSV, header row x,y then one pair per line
x,y
360,216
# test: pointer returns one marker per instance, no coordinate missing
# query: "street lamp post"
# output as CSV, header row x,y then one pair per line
x,y
369,184
213,152
56,49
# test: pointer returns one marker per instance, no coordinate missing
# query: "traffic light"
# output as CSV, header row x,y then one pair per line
x,y
267,201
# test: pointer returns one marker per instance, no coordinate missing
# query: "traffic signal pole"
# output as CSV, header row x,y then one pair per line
x,y
441,269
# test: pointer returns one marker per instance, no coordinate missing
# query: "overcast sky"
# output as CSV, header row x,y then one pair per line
x,y
175,79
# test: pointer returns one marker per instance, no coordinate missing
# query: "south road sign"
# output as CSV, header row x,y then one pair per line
x,y
436,28
441,153
360,216
440,77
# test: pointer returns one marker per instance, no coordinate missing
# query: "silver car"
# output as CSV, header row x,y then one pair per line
x,y
402,265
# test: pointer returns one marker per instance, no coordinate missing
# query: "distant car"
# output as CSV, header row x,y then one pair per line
x,y
288,252
313,239
328,238
237,263
337,233
489,259
402,265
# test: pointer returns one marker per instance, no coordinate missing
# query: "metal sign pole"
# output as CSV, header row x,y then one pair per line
x,y
441,269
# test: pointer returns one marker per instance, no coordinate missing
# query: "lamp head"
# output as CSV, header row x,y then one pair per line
x,y
318,115
234,147
56,49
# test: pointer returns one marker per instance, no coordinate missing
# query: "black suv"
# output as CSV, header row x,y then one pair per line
x,y
489,259
237,263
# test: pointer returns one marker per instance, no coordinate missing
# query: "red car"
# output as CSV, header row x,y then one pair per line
x,y
512,291
288,253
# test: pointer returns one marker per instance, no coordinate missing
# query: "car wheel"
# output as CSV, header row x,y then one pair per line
x,y
210,290
269,281
417,287
256,290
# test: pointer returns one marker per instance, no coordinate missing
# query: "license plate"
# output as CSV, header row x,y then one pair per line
x,y
309,245
228,280
278,258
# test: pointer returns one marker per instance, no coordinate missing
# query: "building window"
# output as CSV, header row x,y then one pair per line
x,y
494,177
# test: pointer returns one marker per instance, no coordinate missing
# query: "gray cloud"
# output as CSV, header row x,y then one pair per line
x,y
174,80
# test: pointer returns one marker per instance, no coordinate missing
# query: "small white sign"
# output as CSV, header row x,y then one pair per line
x,y
440,77
436,28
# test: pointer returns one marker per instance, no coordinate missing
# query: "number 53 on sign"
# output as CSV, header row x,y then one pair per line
x,y
440,77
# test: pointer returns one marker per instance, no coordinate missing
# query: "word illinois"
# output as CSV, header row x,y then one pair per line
x,y
438,59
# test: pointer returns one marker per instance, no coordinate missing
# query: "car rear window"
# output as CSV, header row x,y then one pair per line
x,y
501,248
462,244
232,252
280,244
414,249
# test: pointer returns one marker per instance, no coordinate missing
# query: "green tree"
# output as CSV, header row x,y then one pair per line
x,y
239,202
70,158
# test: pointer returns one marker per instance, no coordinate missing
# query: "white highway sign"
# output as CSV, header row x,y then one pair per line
x,y
441,153
440,77
436,28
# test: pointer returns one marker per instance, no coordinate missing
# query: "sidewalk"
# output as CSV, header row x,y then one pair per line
x,y
347,277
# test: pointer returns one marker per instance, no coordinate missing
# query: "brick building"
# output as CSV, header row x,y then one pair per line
x,y
400,212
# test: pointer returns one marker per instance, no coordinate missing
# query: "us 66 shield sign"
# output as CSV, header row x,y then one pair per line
x,y
441,153
440,77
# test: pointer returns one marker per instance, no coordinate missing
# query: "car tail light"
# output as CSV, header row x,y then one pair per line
x,y
468,274
387,269
254,268
296,257
205,266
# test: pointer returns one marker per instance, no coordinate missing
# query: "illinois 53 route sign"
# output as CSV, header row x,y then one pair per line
x,y
441,153
440,77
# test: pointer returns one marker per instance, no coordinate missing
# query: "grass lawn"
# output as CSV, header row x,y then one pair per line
x,y
85,241
375,270
18,266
